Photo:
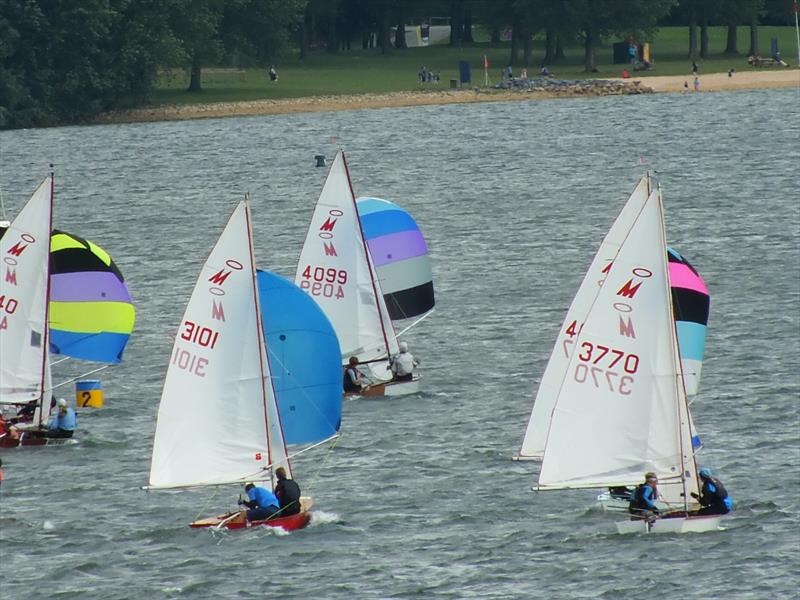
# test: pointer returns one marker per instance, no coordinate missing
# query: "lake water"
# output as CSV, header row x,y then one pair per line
x,y
419,498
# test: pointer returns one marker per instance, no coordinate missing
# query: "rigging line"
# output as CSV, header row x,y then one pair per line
x,y
205,506
93,371
322,463
415,323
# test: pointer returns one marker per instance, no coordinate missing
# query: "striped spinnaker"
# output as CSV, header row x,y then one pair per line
x,y
691,304
400,255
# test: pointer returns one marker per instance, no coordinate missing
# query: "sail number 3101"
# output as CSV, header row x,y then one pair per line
x,y
319,281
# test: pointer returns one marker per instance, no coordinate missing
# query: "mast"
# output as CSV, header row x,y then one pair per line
x,y
378,293
264,356
46,378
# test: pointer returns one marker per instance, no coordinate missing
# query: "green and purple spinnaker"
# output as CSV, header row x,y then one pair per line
x,y
400,256
91,311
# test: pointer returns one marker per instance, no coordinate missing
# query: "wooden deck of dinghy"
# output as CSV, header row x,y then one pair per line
x,y
236,520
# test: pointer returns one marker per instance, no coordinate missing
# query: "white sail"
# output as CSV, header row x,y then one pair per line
x,y
214,418
25,252
336,269
536,433
621,410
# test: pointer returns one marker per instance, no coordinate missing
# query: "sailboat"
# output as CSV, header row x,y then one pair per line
x,y
619,406
24,310
90,316
219,421
339,271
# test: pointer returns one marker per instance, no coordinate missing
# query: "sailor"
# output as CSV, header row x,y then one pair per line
x,y
261,503
403,364
643,500
713,496
353,380
287,492
63,423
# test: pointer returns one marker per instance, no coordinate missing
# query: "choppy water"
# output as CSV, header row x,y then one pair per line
x,y
419,498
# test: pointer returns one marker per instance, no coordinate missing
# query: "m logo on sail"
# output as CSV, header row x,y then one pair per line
x,y
326,229
217,311
328,225
11,276
219,277
16,249
330,250
629,290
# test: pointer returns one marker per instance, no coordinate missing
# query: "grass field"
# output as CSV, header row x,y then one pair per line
x,y
368,71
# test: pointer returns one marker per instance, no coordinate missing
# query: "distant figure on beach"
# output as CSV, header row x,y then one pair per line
x,y
524,74
625,74
632,53
694,68
685,86
423,74
273,74
696,84
545,72
730,72
509,72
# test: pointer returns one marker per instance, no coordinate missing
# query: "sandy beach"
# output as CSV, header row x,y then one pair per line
x,y
714,82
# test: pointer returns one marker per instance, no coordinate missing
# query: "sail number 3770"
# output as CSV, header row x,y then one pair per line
x,y
319,281
599,365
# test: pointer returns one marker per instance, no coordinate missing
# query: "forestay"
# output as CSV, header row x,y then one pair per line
x,y
621,409
218,421
336,269
539,423
24,369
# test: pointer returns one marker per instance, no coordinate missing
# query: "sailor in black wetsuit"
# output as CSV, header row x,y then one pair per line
x,y
288,493
713,495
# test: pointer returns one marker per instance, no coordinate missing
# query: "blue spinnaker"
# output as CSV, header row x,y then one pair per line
x,y
304,358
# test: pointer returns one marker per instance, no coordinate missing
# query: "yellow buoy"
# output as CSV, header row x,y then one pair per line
x,y
89,392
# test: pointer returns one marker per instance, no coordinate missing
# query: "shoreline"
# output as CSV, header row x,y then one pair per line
x,y
713,82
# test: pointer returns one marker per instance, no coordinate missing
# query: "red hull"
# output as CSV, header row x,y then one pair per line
x,y
289,523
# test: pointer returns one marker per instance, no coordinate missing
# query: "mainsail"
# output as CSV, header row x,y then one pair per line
x,y
621,409
400,255
24,369
539,423
336,269
218,420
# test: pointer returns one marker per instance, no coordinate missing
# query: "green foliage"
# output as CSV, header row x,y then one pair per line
x,y
64,61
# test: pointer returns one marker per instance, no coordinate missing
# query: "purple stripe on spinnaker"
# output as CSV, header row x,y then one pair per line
x,y
88,286
397,246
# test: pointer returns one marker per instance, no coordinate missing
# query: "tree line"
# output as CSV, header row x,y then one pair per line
x,y
63,61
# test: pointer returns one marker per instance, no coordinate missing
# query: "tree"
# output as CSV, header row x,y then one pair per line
x,y
64,61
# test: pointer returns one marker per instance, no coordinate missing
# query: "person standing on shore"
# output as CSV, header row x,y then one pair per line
x,y
696,84
273,74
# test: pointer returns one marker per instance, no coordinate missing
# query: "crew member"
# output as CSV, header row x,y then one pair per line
x,y
643,499
403,364
287,492
261,503
353,379
713,495
63,423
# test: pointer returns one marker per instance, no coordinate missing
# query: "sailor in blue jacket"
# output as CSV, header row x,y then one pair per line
x,y
713,495
63,423
643,499
261,503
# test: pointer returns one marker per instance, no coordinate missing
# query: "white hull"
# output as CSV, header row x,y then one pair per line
x,y
390,388
611,504
674,525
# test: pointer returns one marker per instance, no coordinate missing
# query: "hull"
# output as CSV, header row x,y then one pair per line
x,y
235,521
611,503
390,388
671,525
32,438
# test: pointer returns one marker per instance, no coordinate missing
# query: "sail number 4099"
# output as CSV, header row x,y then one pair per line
x,y
319,281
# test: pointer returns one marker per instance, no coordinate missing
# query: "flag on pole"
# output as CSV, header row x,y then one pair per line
x,y
486,58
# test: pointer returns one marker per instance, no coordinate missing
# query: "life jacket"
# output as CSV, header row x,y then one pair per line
x,y
718,496
637,502
347,383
